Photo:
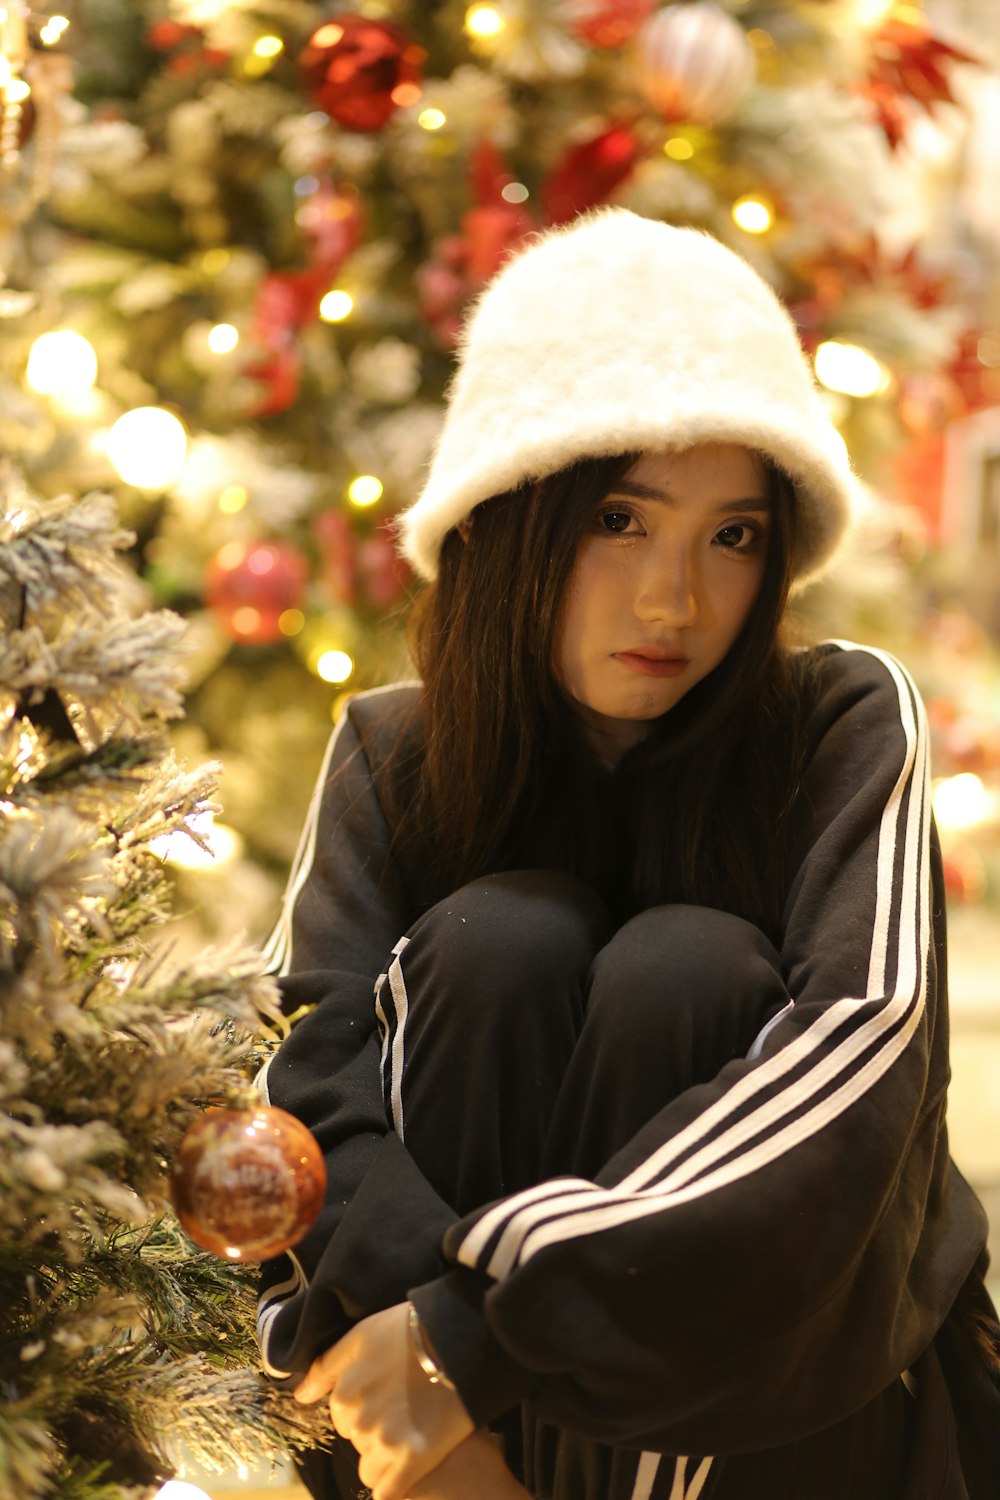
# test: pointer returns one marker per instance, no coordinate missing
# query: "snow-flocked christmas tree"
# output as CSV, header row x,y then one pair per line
x,y
120,1341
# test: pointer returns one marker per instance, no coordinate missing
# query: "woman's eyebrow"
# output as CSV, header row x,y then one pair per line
x,y
647,492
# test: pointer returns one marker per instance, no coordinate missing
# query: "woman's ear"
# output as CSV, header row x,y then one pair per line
x,y
464,528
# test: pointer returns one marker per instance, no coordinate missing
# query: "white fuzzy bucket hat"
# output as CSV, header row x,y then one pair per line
x,y
617,333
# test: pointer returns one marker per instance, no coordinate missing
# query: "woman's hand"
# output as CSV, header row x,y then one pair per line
x,y
402,1424
473,1471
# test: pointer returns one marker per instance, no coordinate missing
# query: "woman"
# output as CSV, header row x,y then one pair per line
x,y
639,1183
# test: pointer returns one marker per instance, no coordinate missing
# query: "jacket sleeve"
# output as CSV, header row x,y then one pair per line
x,y
777,1245
381,1226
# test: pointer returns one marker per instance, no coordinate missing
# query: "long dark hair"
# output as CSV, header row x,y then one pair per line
x,y
505,779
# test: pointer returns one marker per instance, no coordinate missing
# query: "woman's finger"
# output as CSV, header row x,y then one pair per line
x,y
343,1418
323,1373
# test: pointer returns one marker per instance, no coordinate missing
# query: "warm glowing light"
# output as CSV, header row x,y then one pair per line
x,y
147,447
6,72
365,490
431,119
961,801
752,214
514,192
52,31
291,621
17,91
334,666
215,260
869,14
336,306
483,21
759,38
229,556
232,499
224,845
329,35
850,369
223,338
678,148
268,46
179,1489
246,620
62,363
405,94
261,561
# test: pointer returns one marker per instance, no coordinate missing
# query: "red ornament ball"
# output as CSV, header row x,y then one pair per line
x,y
249,585
360,72
247,1183
606,23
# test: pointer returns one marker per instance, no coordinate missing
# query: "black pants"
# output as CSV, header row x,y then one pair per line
x,y
524,1038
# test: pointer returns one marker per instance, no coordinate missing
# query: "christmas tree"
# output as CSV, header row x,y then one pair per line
x,y
262,222
119,1339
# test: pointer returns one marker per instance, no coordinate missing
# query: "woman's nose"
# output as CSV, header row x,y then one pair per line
x,y
668,592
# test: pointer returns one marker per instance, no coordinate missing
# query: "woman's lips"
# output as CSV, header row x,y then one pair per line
x,y
651,664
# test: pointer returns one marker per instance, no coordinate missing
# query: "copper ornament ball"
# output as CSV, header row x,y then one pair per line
x,y
247,1183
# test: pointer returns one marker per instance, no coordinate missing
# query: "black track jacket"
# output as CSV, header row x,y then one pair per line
x,y
772,1251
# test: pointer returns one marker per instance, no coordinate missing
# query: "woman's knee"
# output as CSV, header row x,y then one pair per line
x,y
514,940
678,972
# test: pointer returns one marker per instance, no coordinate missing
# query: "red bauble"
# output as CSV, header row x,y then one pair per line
x,y
247,1183
606,23
360,72
249,585
491,231
332,221
337,545
384,572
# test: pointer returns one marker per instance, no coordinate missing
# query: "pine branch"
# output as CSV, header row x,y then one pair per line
x,y
63,555
121,670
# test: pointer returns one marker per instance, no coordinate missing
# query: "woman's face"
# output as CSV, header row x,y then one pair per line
x,y
664,579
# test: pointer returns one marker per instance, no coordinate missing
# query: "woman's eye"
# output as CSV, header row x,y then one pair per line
x,y
615,521
738,536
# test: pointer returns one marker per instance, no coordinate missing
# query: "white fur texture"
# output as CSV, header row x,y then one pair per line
x,y
616,333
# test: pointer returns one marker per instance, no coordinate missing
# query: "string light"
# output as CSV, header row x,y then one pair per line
x,y
291,621
678,149
431,119
334,666
147,447
514,192
752,214
484,21
336,306
328,35
268,46
223,338
405,94
365,490
179,1489
53,29
870,14
246,620
850,369
961,801
232,499
61,363
224,845
214,261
